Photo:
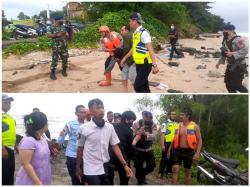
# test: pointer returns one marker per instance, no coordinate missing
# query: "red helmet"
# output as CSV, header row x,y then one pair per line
x,y
104,28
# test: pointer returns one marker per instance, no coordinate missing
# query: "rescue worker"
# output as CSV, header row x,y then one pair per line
x,y
173,36
8,142
234,50
145,134
186,144
125,135
129,69
110,41
142,52
167,137
71,128
58,34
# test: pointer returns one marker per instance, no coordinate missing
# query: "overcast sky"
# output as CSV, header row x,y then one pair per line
x,y
235,11
64,104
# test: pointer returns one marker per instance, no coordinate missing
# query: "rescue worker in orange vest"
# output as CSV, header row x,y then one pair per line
x,y
186,144
110,42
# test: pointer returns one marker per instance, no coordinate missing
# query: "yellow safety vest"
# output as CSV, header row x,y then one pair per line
x,y
8,130
170,130
139,49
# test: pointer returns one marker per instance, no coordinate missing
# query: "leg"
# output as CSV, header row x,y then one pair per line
x,y
122,175
111,174
64,56
171,52
125,86
54,63
105,177
138,164
150,162
175,173
141,84
124,76
71,165
8,168
187,177
93,179
162,163
107,82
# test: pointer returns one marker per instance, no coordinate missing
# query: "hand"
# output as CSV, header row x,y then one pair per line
x,y
163,148
168,155
61,133
217,66
5,153
129,172
155,69
137,137
79,173
39,183
142,130
196,156
229,54
122,63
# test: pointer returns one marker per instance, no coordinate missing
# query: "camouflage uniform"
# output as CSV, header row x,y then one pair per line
x,y
59,47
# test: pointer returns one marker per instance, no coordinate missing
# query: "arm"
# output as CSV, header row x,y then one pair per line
x,y
5,153
125,57
199,140
169,150
152,56
63,134
152,136
25,159
79,158
118,154
163,141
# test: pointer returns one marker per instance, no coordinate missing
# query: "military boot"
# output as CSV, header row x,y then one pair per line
x,y
53,74
64,72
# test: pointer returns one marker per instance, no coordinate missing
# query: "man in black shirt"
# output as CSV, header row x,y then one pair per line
x,y
125,135
173,36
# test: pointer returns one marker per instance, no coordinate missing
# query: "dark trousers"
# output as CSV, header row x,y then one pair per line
x,y
140,171
71,165
165,163
173,49
8,168
122,173
233,79
98,179
141,84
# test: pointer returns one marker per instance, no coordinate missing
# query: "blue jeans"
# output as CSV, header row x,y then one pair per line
x,y
71,165
173,49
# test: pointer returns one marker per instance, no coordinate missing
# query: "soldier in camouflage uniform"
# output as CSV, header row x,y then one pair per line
x,y
234,50
58,34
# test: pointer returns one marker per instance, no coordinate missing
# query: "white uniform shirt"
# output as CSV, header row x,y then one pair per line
x,y
145,37
95,141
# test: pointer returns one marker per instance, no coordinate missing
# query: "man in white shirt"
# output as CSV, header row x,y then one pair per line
x,y
93,142
142,52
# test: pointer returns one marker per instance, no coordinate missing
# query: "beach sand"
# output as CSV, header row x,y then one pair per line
x,y
30,73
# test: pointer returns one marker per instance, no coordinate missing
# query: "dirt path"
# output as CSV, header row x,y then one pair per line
x,y
30,73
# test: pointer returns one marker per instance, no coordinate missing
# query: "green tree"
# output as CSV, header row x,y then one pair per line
x,y
22,16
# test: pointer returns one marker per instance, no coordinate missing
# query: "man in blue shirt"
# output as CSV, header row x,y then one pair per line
x,y
71,128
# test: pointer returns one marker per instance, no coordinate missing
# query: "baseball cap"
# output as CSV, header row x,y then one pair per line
x,y
229,27
136,16
5,97
57,18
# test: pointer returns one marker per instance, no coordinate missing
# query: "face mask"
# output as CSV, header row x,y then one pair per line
x,y
100,123
172,27
148,123
225,34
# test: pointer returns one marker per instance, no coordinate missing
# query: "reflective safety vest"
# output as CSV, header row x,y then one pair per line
x,y
8,130
190,133
112,42
170,130
139,49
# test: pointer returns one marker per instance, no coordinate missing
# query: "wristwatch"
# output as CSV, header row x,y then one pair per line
x,y
154,65
124,164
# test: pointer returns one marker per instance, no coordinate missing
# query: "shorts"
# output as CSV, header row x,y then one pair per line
x,y
129,73
184,155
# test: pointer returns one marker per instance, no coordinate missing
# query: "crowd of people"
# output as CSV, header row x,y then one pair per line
x,y
132,49
97,148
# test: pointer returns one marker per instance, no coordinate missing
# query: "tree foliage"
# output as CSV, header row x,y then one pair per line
x,y
22,16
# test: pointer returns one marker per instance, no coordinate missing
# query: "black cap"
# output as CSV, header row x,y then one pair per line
x,y
117,115
148,114
5,97
136,16
57,18
229,27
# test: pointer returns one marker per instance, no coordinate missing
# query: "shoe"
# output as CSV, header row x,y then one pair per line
x,y
64,72
107,82
53,75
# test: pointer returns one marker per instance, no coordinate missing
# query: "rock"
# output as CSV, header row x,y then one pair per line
x,y
213,73
175,64
200,56
205,60
189,50
203,47
31,66
183,71
202,66
210,48
216,54
174,91
14,73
